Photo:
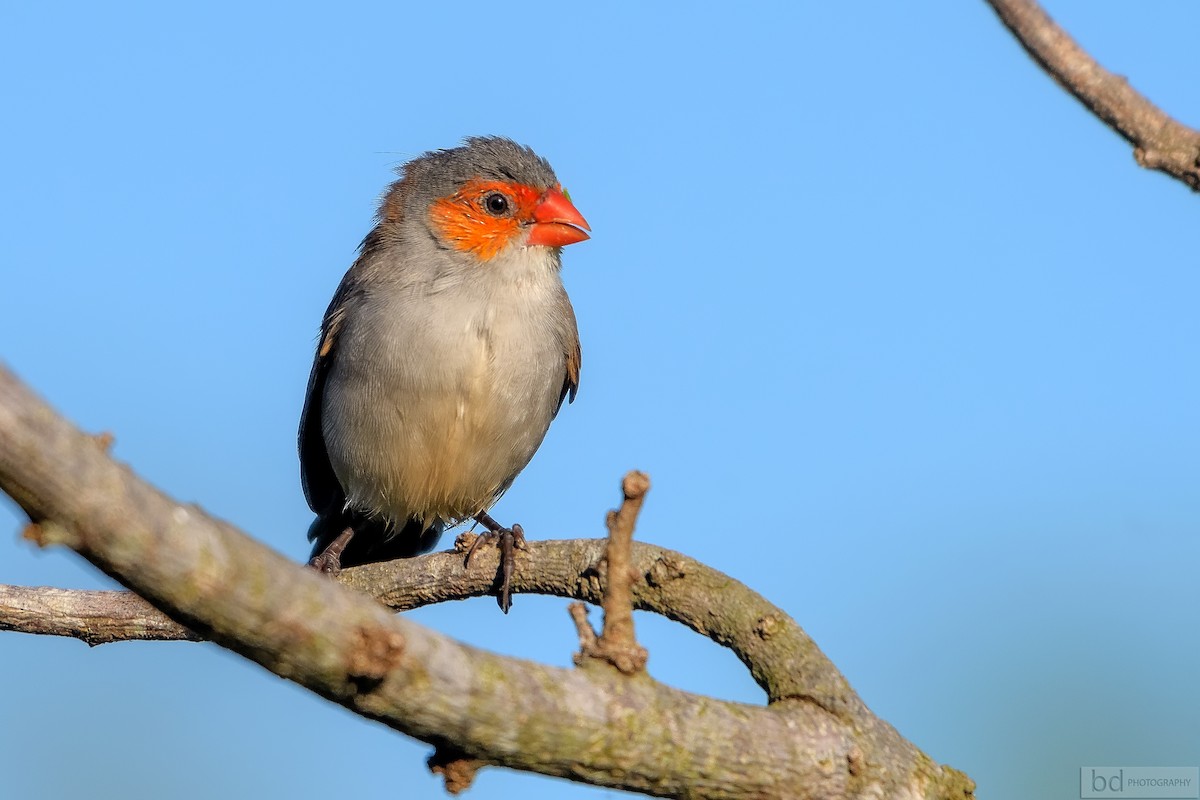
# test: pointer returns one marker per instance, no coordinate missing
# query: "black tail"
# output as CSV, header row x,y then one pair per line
x,y
373,541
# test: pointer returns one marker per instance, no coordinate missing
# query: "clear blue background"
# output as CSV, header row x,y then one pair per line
x,y
905,339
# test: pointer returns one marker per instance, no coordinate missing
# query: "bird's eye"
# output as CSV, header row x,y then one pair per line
x,y
496,204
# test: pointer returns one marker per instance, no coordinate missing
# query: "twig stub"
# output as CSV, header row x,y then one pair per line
x,y
617,643
635,485
375,652
587,634
456,768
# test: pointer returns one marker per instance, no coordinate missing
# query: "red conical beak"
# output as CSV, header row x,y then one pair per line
x,y
557,222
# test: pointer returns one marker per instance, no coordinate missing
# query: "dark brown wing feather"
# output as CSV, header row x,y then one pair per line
x,y
570,385
321,488
574,361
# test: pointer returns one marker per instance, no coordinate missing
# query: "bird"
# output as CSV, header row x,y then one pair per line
x,y
447,350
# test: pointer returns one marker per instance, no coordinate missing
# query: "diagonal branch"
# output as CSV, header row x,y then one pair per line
x,y
595,726
1159,141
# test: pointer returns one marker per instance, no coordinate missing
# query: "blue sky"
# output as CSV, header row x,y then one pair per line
x,y
904,338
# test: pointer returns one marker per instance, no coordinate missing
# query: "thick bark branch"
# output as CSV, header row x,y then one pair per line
x,y
1159,141
591,724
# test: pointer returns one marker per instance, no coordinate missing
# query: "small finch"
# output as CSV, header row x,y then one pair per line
x,y
445,353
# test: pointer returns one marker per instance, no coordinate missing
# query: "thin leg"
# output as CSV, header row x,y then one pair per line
x,y
330,559
508,540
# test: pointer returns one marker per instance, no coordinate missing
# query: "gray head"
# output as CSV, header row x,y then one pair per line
x,y
439,173
487,196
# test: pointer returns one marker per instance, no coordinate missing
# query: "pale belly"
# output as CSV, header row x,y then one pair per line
x,y
437,430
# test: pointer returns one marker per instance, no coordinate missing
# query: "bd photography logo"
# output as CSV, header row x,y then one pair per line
x,y
1143,782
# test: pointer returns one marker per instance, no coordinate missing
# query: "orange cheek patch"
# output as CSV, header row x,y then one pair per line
x,y
462,223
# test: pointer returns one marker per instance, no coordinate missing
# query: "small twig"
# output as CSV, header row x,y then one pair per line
x,y
587,634
617,643
1159,141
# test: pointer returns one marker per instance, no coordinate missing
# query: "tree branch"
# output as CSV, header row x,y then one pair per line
x,y
591,725
784,661
95,617
1159,141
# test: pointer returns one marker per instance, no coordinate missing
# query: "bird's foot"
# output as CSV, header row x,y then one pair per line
x,y
329,561
326,564
509,540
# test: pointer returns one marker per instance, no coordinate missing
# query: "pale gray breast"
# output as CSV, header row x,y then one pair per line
x,y
441,393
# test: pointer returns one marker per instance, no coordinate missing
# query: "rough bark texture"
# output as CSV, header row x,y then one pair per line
x,y
1159,141
592,724
96,617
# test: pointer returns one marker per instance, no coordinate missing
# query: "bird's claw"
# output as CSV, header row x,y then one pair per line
x,y
326,564
329,561
508,540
